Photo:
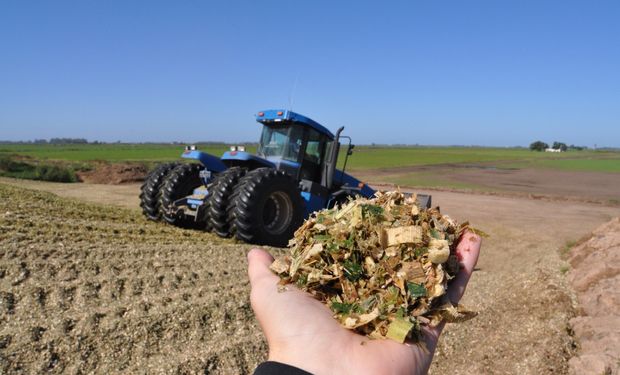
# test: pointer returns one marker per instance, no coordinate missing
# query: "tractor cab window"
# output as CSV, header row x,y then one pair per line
x,y
281,141
313,157
314,149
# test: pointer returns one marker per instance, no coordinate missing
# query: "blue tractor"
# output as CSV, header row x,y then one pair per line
x,y
260,198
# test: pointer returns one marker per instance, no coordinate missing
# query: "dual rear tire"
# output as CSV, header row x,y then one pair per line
x,y
164,185
181,182
220,199
149,191
265,208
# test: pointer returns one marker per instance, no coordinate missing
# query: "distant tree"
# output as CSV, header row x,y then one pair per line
x,y
559,146
67,141
577,148
538,146
40,141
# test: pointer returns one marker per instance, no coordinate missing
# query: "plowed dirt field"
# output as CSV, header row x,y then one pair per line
x,y
87,286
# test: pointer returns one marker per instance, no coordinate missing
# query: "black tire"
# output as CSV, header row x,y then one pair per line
x,y
207,211
219,196
149,191
266,208
181,182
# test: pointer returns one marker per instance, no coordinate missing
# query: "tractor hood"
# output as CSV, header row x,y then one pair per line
x,y
212,163
237,158
234,158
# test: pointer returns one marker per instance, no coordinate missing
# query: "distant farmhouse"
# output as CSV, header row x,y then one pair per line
x,y
557,146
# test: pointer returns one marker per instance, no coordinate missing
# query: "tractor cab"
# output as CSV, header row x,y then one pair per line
x,y
295,144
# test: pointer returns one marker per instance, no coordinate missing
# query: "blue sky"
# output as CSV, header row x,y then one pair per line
x,y
496,73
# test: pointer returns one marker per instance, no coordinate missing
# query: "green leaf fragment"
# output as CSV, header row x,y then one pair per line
x,y
416,290
371,210
352,271
321,237
369,303
420,251
332,247
349,242
399,329
302,281
391,296
344,308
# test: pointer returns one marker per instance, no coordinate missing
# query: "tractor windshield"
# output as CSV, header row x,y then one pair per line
x,y
281,141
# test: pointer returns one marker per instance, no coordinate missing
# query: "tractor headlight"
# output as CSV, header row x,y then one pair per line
x,y
233,148
241,148
193,148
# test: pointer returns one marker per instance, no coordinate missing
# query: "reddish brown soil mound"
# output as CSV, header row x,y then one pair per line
x,y
114,174
595,277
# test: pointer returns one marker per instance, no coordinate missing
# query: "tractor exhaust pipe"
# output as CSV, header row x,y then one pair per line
x,y
332,160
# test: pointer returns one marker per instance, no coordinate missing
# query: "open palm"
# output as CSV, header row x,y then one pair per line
x,y
301,331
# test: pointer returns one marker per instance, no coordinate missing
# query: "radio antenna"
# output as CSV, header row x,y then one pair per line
x,y
292,93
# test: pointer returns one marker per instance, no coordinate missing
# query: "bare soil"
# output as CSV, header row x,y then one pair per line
x,y
582,186
86,287
114,174
96,289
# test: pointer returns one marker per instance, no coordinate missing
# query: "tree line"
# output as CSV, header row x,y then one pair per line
x,y
542,146
52,141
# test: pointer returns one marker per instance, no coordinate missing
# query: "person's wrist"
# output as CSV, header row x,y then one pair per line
x,y
315,361
296,359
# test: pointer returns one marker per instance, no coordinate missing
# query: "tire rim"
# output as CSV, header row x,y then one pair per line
x,y
278,212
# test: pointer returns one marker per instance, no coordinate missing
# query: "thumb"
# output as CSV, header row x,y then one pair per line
x,y
258,266
468,251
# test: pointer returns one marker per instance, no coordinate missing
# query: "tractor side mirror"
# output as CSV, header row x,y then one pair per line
x,y
350,150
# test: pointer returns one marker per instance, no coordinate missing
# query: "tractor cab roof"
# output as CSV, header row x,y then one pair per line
x,y
276,116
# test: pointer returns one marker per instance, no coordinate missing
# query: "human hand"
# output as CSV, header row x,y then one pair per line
x,y
301,331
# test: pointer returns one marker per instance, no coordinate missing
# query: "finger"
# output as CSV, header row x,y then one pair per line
x,y
258,266
467,251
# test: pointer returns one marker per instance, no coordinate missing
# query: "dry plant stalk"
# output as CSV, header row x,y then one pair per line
x,y
382,265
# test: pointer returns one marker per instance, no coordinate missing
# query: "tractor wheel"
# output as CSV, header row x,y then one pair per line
x,y
219,198
207,210
180,183
149,190
267,208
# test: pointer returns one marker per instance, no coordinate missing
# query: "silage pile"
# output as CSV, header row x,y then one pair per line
x,y
382,265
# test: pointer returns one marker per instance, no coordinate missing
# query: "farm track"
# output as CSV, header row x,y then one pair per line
x,y
92,288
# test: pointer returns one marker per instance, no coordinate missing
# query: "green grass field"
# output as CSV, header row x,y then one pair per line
x,y
373,158
364,157
591,163
106,152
